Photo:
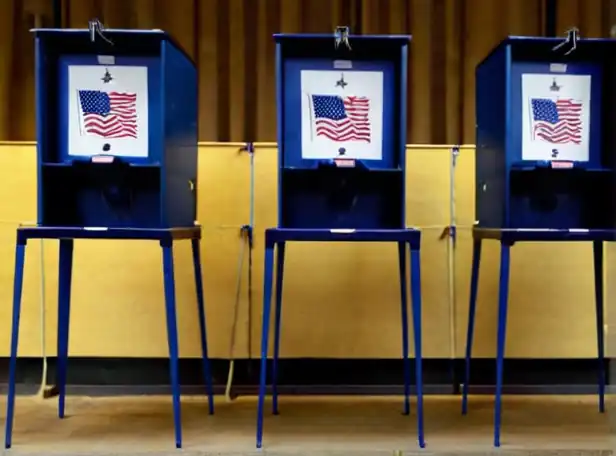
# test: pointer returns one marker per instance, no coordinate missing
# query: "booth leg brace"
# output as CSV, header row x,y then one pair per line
x,y
64,310
65,276
280,248
503,295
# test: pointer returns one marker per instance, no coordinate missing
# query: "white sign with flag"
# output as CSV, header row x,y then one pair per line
x,y
555,117
108,111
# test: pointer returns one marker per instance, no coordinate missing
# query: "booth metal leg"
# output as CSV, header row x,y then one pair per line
x,y
402,246
472,307
20,256
503,295
265,327
280,251
172,336
207,372
416,303
598,269
64,316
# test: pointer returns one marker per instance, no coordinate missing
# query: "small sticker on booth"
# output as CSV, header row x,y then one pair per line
x,y
561,164
106,59
344,162
343,64
102,159
558,67
342,231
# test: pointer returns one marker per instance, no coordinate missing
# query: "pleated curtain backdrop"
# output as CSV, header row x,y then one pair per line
x,y
231,41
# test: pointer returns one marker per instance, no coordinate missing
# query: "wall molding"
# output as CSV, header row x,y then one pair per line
x,y
121,376
266,144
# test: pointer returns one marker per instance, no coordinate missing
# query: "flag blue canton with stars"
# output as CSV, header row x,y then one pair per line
x,y
545,110
329,107
94,101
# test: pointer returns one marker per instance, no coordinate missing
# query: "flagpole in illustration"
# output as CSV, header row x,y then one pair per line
x,y
310,111
554,88
531,118
82,130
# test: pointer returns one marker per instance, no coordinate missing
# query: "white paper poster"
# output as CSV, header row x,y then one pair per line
x,y
108,110
555,117
342,114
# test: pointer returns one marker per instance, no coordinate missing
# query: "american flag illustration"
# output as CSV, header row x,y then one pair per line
x,y
342,118
109,115
557,121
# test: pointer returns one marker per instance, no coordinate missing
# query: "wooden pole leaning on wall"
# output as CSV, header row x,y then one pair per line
x,y
44,391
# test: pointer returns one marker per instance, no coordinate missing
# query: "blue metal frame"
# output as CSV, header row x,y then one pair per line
x,y
504,212
168,199
289,155
281,91
275,242
290,60
499,116
125,33
173,112
66,237
507,239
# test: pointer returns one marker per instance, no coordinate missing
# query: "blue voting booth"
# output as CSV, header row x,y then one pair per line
x,y
341,168
544,163
116,122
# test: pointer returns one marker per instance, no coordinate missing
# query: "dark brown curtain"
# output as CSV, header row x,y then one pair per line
x,y
231,42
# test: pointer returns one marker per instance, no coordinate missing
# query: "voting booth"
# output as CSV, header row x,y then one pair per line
x,y
116,130
116,116
341,102
545,162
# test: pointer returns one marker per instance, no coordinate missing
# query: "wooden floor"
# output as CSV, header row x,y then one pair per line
x,y
311,426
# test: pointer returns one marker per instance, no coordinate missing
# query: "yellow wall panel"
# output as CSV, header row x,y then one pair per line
x,y
340,300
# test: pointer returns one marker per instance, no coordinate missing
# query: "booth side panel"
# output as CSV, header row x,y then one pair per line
x,y
490,159
41,133
180,111
280,124
609,139
404,52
